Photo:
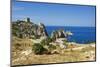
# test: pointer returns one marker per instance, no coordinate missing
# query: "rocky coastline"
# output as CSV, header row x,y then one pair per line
x,y
31,44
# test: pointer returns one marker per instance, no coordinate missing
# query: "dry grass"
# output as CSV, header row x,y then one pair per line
x,y
54,58
65,55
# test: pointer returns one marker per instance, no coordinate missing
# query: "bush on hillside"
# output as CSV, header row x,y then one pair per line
x,y
52,47
38,48
46,41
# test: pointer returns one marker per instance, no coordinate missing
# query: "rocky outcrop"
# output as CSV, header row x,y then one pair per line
x,y
27,29
58,34
42,30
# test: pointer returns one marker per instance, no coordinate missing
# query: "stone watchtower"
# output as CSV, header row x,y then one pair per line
x,y
28,20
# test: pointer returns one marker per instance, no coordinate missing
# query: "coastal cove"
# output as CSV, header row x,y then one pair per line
x,y
80,35
39,44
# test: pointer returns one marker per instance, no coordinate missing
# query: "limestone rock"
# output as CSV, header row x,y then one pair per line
x,y
58,34
27,29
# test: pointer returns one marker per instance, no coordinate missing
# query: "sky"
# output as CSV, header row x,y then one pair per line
x,y
54,14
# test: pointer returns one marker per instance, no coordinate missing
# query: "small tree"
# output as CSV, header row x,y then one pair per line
x,y
38,48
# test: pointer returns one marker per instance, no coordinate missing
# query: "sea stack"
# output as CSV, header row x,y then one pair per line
x,y
58,34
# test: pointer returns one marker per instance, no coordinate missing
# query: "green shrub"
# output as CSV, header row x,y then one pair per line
x,y
52,47
49,39
43,42
38,48
46,41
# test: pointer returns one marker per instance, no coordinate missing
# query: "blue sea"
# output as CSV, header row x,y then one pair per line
x,y
80,34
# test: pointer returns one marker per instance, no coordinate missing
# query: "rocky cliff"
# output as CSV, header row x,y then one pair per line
x,y
27,29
